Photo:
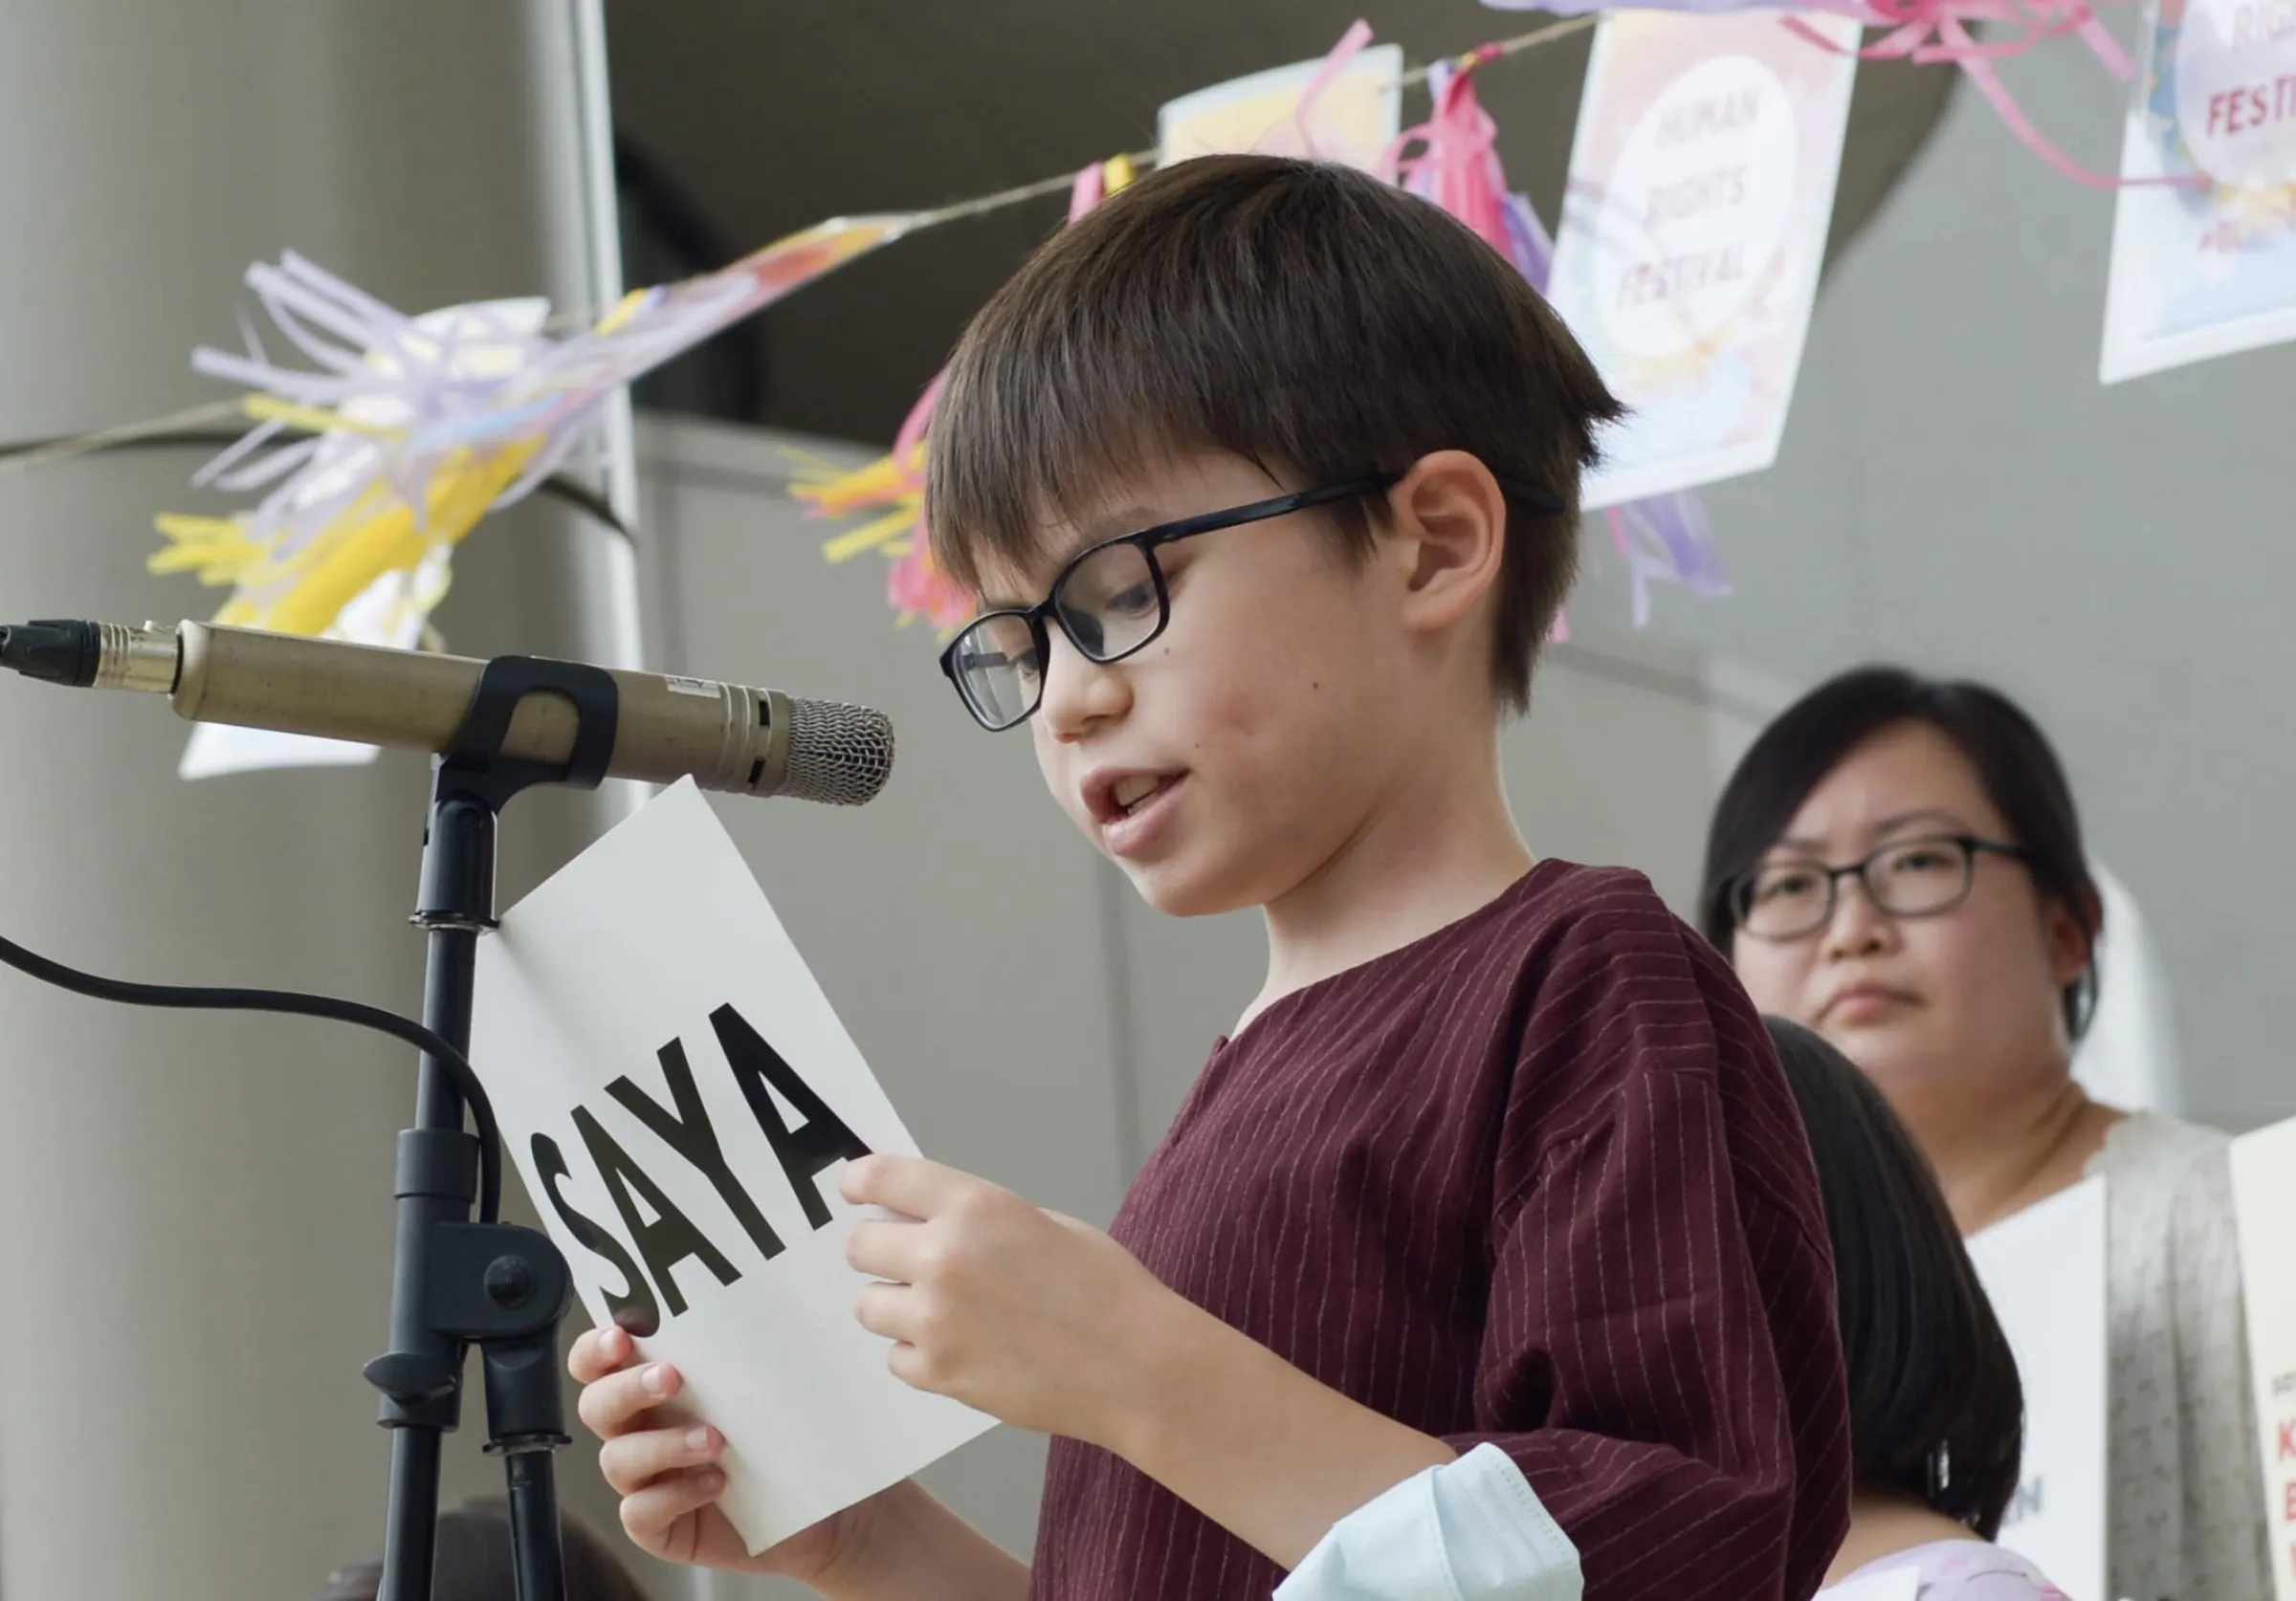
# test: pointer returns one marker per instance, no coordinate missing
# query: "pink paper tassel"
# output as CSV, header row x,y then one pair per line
x,y
1457,162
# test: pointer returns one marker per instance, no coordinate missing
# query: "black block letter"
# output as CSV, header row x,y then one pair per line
x,y
671,1236
687,1131
638,1300
821,1140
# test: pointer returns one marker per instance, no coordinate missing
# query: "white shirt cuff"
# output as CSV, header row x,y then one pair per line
x,y
1469,1530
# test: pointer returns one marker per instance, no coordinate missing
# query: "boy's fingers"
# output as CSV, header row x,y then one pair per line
x,y
648,1516
596,1353
634,1461
614,1403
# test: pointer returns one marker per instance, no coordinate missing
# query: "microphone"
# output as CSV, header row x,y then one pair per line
x,y
724,737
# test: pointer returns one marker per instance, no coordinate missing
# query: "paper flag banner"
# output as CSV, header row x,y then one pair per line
x,y
2205,263
678,1096
2043,1270
1928,32
1347,107
893,487
2264,1200
1701,186
424,424
335,528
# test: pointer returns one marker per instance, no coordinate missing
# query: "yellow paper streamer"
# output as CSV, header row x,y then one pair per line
x,y
302,592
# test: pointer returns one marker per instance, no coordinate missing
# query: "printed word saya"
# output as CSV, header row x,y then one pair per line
x,y
662,1235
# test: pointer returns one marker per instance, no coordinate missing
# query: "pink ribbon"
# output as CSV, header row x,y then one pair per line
x,y
914,581
1926,32
1088,190
1457,163
1350,44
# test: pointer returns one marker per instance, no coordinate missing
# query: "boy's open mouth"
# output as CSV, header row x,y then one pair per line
x,y
1114,796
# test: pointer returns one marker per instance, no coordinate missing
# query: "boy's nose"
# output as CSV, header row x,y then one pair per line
x,y
1080,693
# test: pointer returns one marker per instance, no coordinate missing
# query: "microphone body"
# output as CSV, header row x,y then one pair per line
x,y
724,737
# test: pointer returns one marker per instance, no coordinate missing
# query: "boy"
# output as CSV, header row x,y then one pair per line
x,y
1485,1258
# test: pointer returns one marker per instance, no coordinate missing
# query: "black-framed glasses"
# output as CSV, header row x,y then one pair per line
x,y
1112,601
1918,877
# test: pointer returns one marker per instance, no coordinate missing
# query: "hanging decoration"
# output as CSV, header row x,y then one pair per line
x,y
420,425
2208,268
893,487
1452,160
1926,32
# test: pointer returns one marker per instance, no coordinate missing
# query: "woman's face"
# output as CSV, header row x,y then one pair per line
x,y
1951,1011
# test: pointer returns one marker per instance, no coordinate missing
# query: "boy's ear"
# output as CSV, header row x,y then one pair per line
x,y
1449,533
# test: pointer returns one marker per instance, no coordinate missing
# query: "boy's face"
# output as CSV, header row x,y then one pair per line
x,y
1241,752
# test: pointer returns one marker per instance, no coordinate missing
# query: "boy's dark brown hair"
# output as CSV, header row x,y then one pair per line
x,y
1303,315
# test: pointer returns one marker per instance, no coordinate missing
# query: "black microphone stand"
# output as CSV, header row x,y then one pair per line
x,y
455,1282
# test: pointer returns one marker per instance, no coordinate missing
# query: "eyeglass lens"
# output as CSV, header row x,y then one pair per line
x,y
1911,879
1108,604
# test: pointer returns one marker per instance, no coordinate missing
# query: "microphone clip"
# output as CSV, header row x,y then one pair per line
x,y
474,780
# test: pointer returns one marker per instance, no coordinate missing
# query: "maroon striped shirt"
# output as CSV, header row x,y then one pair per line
x,y
1534,1180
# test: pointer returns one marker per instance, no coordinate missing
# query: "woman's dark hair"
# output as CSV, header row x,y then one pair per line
x,y
2019,773
473,1563
1935,1407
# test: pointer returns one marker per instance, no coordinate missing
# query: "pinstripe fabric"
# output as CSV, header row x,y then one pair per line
x,y
1534,1179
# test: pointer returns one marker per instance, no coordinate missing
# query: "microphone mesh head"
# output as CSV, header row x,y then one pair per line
x,y
840,755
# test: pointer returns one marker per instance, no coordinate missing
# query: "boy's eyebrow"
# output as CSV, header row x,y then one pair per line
x,y
1091,531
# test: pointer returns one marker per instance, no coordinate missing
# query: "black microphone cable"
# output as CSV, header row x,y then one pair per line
x,y
200,997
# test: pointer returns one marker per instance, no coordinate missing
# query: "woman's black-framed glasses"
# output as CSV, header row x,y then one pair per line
x,y
1112,601
1918,877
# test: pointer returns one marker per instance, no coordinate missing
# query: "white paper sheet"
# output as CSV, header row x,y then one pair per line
x,y
1701,189
599,984
2205,269
2043,1270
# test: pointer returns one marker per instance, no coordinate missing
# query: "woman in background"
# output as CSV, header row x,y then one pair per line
x,y
1897,864
1936,1415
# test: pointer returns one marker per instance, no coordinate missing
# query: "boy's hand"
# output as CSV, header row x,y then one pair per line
x,y
669,1479
1031,1317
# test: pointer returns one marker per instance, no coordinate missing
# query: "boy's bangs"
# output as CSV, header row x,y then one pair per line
x,y
1035,437
1006,499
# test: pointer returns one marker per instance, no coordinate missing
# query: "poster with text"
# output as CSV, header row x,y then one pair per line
x,y
1701,187
1353,120
2205,263
2263,1197
2043,1270
678,1097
